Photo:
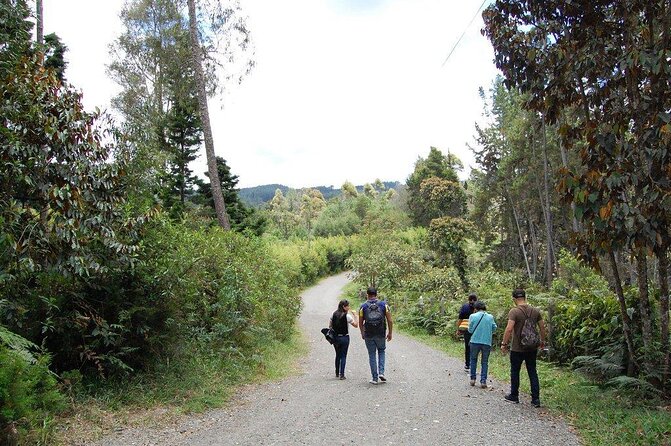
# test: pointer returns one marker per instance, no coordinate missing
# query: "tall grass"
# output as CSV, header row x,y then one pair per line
x,y
192,383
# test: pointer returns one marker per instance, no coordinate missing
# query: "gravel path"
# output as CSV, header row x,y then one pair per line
x,y
427,401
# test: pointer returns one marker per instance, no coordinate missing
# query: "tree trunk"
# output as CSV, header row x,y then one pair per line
x,y
217,195
534,249
549,225
626,320
662,255
644,308
39,19
564,160
519,233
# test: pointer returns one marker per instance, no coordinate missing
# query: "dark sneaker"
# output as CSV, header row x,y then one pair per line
x,y
511,399
483,385
536,403
467,368
382,378
472,382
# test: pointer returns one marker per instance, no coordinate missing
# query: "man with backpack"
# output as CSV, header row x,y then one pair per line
x,y
462,327
374,322
523,320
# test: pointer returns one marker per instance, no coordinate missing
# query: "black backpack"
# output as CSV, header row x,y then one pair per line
x,y
374,317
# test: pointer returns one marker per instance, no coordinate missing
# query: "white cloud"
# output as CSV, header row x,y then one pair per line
x,y
337,94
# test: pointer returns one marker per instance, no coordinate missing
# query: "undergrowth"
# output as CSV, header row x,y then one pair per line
x,y
191,384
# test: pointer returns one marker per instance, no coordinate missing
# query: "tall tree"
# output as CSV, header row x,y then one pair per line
x,y
312,204
147,62
39,25
225,24
436,165
196,63
183,138
516,153
55,55
281,214
605,63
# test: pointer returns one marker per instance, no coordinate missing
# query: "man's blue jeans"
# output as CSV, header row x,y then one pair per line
x,y
376,345
475,351
529,358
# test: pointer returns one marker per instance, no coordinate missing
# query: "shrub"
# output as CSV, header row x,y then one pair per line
x,y
29,397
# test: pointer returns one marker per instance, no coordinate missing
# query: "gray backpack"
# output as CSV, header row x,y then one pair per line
x,y
529,337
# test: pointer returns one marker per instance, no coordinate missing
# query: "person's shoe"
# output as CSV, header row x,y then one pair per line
x,y
472,382
511,399
483,385
373,381
342,377
536,403
467,368
382,378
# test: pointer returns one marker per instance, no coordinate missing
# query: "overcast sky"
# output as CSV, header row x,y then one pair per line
x,y
343,90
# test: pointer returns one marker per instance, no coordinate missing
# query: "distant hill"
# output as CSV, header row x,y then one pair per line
x,y
257,195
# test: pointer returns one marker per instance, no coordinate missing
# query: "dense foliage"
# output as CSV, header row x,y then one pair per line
x,y
112,265
600,74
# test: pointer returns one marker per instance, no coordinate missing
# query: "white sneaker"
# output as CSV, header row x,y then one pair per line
x,y
373,381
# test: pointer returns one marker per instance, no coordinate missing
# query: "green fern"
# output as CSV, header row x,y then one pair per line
x,y
19,344
602,367
634,384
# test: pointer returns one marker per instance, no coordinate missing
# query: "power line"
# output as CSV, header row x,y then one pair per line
x,y
462,34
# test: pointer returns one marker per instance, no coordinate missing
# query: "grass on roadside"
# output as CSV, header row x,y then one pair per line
x,y
602,417
194,384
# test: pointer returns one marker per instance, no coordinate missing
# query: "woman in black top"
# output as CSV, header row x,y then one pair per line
x,y
340,321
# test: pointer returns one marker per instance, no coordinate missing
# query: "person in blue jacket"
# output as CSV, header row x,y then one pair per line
x,y
481,326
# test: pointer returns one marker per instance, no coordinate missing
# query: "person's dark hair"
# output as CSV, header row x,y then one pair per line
x,y
519,293
472,297
480,305
372,291
340,312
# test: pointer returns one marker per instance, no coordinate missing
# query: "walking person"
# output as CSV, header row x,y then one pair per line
x,y
340,321
374,322
462,327
481,326
526,340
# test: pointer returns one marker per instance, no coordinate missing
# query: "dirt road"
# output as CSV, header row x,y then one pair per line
x,y
427,401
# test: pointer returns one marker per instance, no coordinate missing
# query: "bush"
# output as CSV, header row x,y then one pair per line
x,y
222,288
29,397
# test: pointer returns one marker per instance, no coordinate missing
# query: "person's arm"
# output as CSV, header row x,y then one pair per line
x,y
353,322
507,335
362,319
390,323
541,324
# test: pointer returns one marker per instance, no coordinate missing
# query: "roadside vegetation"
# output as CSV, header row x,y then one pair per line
x,y
123,288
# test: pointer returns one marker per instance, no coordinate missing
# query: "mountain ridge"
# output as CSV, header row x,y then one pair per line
x,y
257,195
